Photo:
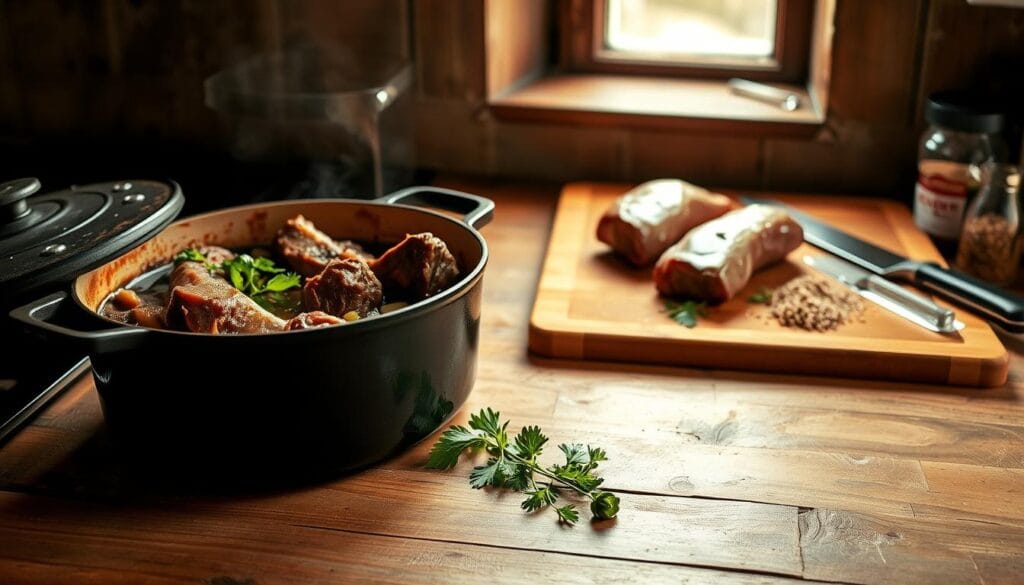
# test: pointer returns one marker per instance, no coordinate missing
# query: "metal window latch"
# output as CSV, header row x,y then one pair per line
x,y
781,98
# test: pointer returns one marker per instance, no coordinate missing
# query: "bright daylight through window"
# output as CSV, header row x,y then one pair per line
x,y
690,32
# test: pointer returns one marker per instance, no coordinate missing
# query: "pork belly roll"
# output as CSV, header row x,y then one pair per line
x,y
716,259
645,221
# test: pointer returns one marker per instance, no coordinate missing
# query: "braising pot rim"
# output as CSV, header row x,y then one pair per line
x,y
411,311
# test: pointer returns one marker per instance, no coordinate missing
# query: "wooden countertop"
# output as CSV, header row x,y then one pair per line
x,y
725,477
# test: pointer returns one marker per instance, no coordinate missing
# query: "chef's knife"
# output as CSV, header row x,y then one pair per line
x,y
1001,307
911,306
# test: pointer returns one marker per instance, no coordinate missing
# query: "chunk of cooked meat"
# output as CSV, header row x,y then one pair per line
x,y
126,299
308,250
128,306
206,303
646,220
716,259
417,267
311,320
345,284
216,254
148,316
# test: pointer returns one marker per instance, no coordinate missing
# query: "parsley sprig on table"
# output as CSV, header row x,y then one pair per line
x,y
686,313
513,465
252,276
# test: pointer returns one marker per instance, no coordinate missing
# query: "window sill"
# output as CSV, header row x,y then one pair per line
x,y
653,103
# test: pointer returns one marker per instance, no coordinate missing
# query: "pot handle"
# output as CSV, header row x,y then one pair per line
x,y
478,211
36,316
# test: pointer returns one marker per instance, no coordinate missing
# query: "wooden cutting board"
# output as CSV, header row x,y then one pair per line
x,y
592,305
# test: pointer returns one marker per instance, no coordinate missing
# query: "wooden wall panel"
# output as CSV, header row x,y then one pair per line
x,y
993,60
512,61
159,39
449,40
873,67
469,149
116,68
851,158
714,161
52,40
10,91
553,152
373,30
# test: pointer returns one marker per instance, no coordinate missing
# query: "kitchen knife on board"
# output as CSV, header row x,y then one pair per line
x,y
913,307
1001,307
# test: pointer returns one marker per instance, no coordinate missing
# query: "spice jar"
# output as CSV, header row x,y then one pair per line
x,y
963,134
990,244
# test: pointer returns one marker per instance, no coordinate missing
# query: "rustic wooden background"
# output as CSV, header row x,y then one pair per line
x,y
117,72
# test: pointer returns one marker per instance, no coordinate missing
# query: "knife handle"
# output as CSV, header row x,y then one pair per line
x,y
1005,308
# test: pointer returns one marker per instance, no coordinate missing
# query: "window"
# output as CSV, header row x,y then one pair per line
x,y
758,39
659,64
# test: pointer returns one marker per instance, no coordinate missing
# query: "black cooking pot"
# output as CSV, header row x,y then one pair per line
x,y
311,401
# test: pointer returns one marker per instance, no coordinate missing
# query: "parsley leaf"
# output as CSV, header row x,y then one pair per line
x,y
762,297
484,475
574,453
686,313
513,465
539,498
445,453
255,276
189,255
530,442
282,282
568,514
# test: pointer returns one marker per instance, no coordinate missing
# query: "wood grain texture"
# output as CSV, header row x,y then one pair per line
x,y
891,31
652,103
516,43
725,476
572,317
449,41
990,64
250,548
729,161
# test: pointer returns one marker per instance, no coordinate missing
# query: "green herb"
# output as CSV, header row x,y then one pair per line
x,y
686,313
513,465
255,276
189,255
762,297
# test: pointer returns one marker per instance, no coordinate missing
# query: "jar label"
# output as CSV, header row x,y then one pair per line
x,y
940,198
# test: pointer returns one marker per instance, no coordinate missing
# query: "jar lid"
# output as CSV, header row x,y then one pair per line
x,y
963,111
48,239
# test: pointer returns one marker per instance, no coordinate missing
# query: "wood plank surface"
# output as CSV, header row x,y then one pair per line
x,y
592,305
725,477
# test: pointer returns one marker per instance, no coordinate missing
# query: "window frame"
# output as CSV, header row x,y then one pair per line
x,y
581,29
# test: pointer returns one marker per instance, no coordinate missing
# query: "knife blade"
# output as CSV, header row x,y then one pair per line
x,y
1001,307
911,306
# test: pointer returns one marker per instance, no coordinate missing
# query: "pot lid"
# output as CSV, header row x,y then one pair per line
x,y
48,239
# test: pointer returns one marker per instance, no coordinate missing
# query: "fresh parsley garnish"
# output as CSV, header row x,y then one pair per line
x,y
763,296
686,313
513,465
254,276
189,255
